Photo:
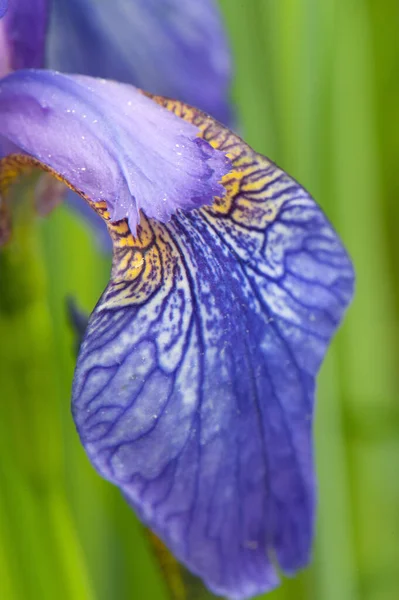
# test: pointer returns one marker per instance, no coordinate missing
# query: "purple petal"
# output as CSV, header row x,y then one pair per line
x,y
110,142
3,7
175,48
22,34
194,388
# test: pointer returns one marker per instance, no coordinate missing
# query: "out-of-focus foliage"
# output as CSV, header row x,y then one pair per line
x,y
317,90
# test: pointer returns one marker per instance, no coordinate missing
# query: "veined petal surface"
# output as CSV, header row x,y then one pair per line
x,y
176,48
22,34
111,143
194,388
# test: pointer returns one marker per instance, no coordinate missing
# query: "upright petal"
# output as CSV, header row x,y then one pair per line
x,y
3,7
22,34
110,143
176,48
194,388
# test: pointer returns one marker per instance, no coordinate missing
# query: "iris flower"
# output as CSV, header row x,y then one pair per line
x,y
170,47
194,385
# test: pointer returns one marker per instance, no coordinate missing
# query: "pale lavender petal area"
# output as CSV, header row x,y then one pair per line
x,y
22,34
175,48
111,143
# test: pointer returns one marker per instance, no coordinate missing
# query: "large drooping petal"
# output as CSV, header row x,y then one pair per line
x,y
176,48
194,388
110,143
22,34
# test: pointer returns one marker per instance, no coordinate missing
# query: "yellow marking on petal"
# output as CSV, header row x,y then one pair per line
x,y
15,165
123,238
215,144
231,182
132,263
256,184
249,214
145,270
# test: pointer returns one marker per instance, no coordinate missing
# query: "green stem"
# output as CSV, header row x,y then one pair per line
x,y
34,507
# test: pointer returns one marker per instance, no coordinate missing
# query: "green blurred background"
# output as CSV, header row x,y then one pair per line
x,y
317,90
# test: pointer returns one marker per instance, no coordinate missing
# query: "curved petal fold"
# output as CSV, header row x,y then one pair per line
x,y
110,142
22,34
176,48
194,388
